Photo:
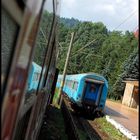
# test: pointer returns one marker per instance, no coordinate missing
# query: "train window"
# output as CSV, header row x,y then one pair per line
x,y
75,85
66,82
69,83
22,56
36,77
92,88
73,82
44,32
43,37
9,33
51,66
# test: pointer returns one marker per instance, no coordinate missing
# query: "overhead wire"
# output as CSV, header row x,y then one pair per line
x,y
135,28
114,29
126,19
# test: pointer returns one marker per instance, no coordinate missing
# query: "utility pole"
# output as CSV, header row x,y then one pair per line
x,y
65,70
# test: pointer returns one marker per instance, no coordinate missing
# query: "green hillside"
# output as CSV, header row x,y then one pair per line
x,y
112,54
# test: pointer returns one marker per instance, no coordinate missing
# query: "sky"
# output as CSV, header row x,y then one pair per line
x,y
115,14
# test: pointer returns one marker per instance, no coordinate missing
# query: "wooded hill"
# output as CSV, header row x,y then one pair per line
x,y
112,54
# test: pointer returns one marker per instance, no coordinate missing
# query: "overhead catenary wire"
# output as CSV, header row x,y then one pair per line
x,y
81,49
135,28
84,47
126,19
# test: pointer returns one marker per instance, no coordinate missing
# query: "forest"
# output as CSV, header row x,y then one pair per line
x,y
113,54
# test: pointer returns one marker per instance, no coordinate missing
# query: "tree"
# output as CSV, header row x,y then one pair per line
x,y
105,55
130,70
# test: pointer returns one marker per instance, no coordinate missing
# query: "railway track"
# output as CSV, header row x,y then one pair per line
x,y
77,127
71,128
92,134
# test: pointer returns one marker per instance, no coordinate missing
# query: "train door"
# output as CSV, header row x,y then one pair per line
x,y
92,91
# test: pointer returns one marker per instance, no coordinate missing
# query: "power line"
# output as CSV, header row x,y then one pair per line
x,y
83,47
135,28
126,19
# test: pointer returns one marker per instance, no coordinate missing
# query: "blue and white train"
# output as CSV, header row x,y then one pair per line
x,y
34,75
87,91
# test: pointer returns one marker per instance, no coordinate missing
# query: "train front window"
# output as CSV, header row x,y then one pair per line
x,y
92,88
75,86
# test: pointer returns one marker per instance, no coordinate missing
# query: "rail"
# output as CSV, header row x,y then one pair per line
x,y
77,124
71,128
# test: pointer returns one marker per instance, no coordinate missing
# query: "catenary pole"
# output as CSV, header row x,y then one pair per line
x,y
65,70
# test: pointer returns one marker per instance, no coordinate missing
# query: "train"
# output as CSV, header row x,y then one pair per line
x,y
29,54
87,91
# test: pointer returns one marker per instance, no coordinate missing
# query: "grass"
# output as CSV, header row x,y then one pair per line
x,y
82,134
109,129
101,124
54,128
55,98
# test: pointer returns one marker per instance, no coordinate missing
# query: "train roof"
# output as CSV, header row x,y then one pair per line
x,y
84,75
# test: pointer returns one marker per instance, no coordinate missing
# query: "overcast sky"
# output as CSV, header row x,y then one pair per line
x,y
111,12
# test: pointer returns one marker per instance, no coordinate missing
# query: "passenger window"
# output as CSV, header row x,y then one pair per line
x,y
73,82
34,77
37,75
44,32
41,43
75,85
67,82
70,83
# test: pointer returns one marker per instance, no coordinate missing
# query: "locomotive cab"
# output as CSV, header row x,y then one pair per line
x,y
92,94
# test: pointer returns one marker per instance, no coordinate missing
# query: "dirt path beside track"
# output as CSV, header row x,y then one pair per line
x,y
124,115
